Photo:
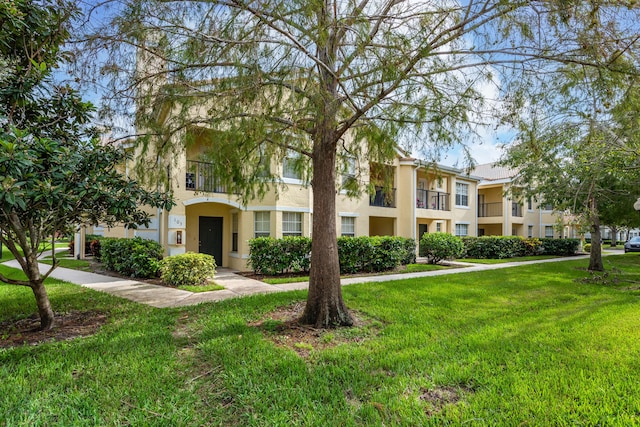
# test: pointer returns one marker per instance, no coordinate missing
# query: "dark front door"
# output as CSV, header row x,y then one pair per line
x,y
211,237
422,230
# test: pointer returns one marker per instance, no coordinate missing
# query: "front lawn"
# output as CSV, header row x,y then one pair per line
x,y
409,268
526,345
503,260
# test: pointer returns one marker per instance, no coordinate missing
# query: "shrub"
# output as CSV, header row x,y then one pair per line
x,y
440,246
562,247
189,269
532,246
293,254
275,256
587,247
135,257
499,247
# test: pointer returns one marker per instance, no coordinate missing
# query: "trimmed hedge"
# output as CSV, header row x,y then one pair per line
x,y
500,247
562,247
188,269
135,257
271,256
440,246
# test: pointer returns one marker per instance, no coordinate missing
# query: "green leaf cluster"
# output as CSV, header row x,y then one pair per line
x,y
189,269
134,257
440,246
271,256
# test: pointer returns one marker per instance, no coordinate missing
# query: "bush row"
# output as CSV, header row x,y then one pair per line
x,y
499,247
268,255
134,257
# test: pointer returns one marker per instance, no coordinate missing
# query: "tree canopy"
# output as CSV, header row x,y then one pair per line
x,y
576,149
55,173
332,81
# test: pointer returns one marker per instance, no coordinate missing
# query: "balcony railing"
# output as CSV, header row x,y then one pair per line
x,y
200,177
436,200
383,198
490,209
516,209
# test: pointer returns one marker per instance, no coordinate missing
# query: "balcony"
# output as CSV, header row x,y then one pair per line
x,y
516,210
200,178
383,198
435,200
489,209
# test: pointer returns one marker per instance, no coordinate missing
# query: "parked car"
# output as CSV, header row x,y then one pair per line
x,y
633,245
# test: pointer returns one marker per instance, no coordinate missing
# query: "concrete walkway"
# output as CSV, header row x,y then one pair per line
x,y
236,285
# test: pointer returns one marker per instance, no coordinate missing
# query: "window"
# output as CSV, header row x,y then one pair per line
x,y
291,224
263,168
438,227
462,230
348,228
290,167
530,231
529,203
234,232
262,224
462,194
548,231
349,171
547,207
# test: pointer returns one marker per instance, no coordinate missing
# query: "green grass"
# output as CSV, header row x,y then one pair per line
x,y
409,268
76,264
526,345
501,261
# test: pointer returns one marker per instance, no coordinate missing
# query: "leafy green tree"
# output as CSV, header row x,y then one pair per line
x,y
55,174
574,150
331,81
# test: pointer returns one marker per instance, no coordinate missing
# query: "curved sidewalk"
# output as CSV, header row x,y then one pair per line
x,y
234,284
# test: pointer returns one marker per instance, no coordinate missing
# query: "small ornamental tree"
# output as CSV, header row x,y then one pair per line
x,y
55,174
440,246
51,186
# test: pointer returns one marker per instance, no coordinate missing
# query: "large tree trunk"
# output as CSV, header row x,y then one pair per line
x,y
325,306
595,260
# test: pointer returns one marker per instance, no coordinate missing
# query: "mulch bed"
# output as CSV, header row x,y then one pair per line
x,y
67,326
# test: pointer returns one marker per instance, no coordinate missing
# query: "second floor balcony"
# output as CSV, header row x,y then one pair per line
x,y
489,209
200,177
435,200
384,199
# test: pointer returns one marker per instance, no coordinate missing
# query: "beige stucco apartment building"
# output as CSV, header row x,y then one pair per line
x,y
423,198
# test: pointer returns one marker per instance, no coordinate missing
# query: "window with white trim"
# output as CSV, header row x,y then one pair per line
x,y
349,170
548,231
438,227
462,194
462,230
530,203
530,231
290,166
291,224
262,224
547,207
348,227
